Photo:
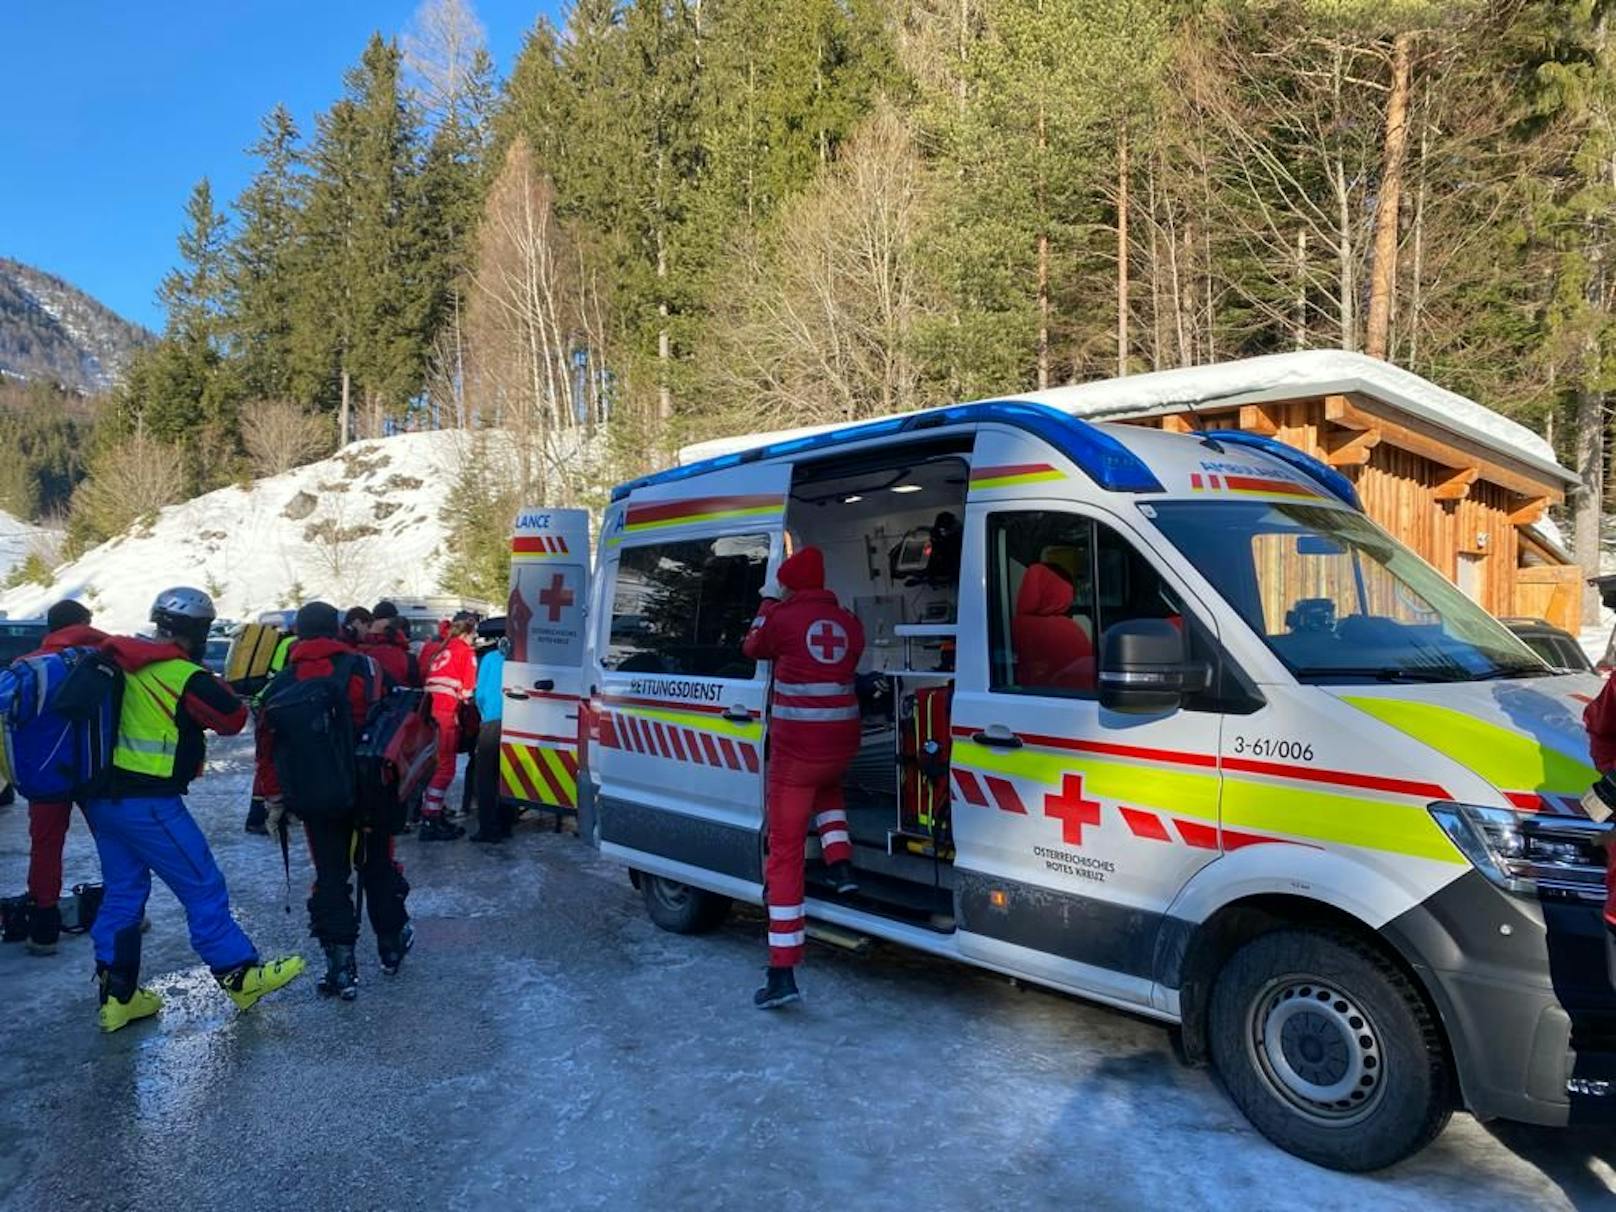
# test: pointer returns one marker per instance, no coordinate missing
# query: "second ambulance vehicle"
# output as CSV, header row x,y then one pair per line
x,y
1160,720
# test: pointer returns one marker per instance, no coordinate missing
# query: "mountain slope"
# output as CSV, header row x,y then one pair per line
x,y
53,331
351,529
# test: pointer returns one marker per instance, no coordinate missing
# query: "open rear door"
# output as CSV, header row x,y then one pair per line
x,y
544,671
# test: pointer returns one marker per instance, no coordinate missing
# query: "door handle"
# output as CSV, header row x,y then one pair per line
x,y
544,684
516,694
738,715
997,736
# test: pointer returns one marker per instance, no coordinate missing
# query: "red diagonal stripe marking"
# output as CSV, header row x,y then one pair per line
x,y
731,758
749,755
1004,795
970,788
1145,824
1202,837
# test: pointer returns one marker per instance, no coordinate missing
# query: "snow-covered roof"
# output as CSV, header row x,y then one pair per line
x,y
1286,376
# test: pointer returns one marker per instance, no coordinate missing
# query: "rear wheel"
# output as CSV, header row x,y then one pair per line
x,y
679,907
1329,1049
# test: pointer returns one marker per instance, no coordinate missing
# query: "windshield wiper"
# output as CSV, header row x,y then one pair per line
x,y
1388,673
1512,671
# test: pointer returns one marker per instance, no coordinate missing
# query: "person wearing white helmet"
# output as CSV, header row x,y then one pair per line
x,y
142,826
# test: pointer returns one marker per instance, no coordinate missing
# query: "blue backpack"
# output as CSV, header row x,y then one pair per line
x,y
59,721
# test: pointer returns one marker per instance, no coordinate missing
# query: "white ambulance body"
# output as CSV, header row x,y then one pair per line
x,y
1231,757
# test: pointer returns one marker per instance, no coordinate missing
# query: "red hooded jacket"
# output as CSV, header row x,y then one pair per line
x,y
207,702
815,646
391,650
1052,650
1599,718
317,659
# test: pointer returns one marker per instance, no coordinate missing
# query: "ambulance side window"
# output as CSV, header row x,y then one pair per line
x,y
1056,581
685,607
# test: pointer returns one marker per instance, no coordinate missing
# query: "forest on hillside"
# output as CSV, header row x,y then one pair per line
x,y
672,218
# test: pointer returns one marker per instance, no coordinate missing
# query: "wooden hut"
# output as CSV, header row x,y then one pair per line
x,y
1466,488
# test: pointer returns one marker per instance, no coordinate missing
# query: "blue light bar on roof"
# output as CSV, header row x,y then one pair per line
x,y
1106,461
1331,480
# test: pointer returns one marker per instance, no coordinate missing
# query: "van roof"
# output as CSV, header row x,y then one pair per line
x,y
1106,453
1253,381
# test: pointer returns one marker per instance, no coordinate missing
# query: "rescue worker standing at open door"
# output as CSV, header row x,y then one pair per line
x,y
814,731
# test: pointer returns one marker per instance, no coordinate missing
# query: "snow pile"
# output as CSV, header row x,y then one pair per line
x,y
18,539
352,528
1254,381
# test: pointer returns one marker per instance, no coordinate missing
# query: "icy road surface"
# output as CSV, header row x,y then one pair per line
x,y
547,1047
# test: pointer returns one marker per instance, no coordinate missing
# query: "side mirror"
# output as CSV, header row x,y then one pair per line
x,y
1145,668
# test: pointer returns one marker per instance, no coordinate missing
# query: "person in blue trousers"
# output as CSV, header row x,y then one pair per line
x,y
141,824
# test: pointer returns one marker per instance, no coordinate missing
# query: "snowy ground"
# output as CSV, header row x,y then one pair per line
x,y
546,1046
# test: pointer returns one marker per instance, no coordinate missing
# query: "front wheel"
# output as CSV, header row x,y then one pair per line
x,y
1329,1050
679,908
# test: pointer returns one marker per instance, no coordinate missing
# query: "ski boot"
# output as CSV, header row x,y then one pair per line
x,y
248,983
780,990
123,1002
435,828
341,977
44,928
392,948
841,877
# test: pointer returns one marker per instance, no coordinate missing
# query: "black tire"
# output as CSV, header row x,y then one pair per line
x,y
1329,1050
679,908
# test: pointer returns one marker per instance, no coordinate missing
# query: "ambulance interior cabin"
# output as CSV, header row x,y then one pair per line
x,y
890,526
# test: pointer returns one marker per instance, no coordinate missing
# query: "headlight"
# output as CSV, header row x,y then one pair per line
x,y
1553,857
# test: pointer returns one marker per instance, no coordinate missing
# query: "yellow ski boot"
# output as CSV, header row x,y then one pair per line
x,y
246,985
115,1015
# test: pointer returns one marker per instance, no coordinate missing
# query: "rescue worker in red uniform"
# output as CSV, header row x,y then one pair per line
x,y
451,680
1599,718
813,737
67,625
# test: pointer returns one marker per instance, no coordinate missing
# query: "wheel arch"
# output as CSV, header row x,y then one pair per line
x,y
1207,946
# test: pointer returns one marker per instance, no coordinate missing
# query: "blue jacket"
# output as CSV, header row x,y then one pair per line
x,y
490,694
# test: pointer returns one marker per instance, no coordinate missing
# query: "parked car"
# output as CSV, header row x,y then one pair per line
x,y
1558,648
19,636
217,656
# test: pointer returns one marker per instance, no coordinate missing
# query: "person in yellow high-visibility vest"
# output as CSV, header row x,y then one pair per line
x,y
142,826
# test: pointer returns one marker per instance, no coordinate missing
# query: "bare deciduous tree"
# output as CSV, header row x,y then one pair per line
x,y
279,436
442,47
131,481
538,328
824,312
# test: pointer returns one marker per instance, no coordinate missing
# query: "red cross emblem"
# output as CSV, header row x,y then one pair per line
x,y
556,598
1072,810
826,640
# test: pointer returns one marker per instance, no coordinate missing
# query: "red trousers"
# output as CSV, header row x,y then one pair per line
x,y
47,834
444,773
800,791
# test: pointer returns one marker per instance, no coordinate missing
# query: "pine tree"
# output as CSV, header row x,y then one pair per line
x,y
367,282
261,262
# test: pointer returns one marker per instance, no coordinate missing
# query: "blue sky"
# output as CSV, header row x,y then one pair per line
x,y
111,111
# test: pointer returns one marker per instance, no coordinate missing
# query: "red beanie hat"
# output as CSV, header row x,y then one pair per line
x,y
805,570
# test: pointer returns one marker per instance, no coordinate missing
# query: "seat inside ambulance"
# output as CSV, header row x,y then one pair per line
x,y
891,530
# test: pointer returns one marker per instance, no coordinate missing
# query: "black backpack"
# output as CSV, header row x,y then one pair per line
x,y
313,727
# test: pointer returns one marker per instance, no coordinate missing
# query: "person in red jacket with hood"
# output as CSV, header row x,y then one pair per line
x,y
430,649
1052,649
1599,718
451,679
814,734
341,849
67,625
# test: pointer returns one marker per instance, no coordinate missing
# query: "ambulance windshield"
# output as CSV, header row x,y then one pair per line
x,y
1339,600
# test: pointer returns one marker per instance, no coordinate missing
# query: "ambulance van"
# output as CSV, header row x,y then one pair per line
x,y
1155,719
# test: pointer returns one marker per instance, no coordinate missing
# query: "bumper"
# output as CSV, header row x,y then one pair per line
x,y
1526,995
